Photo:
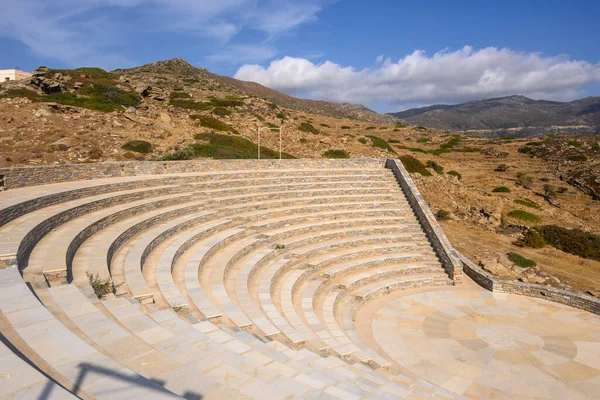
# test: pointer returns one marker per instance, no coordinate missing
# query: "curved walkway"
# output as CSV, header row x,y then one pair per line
x,y
489,345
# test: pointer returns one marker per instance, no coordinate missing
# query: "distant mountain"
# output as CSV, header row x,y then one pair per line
x,y
512,115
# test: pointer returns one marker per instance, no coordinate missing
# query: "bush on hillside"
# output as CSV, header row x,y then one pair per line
x,y
524,179
455,173
381,143
211,123
435,166
501,189
532,238
577,158
572,241
221,111
527,203
442,215
521,261
414,166
307,127
501,168
336,153
424,140
138,146
524,216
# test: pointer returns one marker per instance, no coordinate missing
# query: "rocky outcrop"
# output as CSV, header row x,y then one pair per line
x,y
48,82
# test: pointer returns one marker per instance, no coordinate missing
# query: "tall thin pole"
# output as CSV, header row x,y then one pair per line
x,y
258,128
280,129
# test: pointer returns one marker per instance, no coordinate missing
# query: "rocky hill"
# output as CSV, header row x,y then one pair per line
x,y
516,116
481,188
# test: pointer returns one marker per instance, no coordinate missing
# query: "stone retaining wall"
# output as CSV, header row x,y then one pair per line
x,y
46,174
489,282
443,249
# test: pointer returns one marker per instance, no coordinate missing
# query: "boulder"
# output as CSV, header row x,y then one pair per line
x,y
42,113
62,144
496,268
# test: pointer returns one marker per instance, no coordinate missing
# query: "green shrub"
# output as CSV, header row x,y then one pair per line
x,y
400,125
501,189
362,140
180,95
280,116
418,150
371,128
435,166
93,73
381,143
191,104
226,103
467,149
534,144
524,216
421,128
524,179
507,138
138,146
336,153
393,141
258,117
180,155
101,287
303,140
501,168
307,127
273,106
455,173
572,241
442,215
521,261
574,143
577,158
21,92
532,238
424,140
211,123
221,111
413,166
221,146
528,203
526,150
101,97
346,127
325,126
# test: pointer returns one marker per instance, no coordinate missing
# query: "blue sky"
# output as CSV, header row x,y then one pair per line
x,y
389,55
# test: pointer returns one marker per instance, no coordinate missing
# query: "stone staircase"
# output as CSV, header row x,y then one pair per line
x,y
237,284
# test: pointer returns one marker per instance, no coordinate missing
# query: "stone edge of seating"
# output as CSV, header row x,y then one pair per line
x,y
46,174
441,245
489,282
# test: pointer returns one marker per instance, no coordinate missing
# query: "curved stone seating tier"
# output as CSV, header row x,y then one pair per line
x,y
229,283
88,370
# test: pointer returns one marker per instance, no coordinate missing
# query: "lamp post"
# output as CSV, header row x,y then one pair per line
x,y
259,129
280,135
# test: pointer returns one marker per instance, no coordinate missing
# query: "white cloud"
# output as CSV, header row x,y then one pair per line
x,y
66,30
462,75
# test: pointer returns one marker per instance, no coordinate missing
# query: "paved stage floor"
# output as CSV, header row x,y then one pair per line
x,y
485,345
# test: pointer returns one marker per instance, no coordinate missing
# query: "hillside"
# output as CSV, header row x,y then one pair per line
x,y
171,110
511,116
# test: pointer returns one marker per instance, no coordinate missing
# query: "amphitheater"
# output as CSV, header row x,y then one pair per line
x,y
316,279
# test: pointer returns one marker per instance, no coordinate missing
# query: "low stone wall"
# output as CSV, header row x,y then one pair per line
x,y
46,174
441,245
489,282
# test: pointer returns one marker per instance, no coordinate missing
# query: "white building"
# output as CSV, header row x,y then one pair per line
x,y
13,75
